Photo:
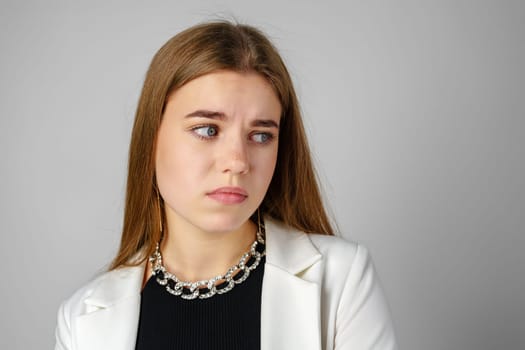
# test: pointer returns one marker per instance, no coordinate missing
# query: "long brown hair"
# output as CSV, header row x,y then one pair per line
x,y
293,196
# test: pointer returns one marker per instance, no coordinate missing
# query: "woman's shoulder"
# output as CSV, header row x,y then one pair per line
x,y
73,306
340,254
83,292
334,244
103,290
99,288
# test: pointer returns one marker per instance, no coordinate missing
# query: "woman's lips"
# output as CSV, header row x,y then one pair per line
x,y
228,195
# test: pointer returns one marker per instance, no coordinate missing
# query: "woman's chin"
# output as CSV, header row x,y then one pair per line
x,y
226,224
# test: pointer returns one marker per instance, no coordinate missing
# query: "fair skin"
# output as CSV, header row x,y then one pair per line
x,y
215,156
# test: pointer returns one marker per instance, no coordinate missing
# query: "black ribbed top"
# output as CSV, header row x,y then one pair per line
x,y
224,321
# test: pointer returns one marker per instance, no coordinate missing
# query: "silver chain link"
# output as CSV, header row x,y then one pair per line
x,y
193,290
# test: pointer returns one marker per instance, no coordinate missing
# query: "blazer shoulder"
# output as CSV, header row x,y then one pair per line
x,y
343,259
331,241
72,307
104,290
337,248
74,304
338,254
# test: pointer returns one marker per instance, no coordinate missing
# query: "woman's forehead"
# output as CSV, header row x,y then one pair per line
x,y
226,94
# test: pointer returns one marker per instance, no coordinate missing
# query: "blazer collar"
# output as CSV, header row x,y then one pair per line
x,y
290,310
289,249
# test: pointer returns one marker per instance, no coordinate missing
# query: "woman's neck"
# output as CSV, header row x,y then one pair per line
x,y
193,254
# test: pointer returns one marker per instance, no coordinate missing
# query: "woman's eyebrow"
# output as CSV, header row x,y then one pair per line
x,y
206,114
269,123
201,113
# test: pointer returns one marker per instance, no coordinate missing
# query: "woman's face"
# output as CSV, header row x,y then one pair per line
x,y
217,149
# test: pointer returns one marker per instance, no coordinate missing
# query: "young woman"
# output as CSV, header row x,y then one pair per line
x,y
225,244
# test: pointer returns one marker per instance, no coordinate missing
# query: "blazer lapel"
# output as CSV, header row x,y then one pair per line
x,y
112,312
290,309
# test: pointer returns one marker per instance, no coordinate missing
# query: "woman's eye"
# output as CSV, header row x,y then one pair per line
x,y
206,131
262,137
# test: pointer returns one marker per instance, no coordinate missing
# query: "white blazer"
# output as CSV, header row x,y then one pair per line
x,y
318,292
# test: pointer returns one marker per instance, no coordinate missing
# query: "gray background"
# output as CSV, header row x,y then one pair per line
x,y
415,112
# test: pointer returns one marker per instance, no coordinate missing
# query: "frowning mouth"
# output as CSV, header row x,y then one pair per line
x,y
228,195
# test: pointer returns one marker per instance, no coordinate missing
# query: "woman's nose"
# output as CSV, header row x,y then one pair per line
x,y
236,159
